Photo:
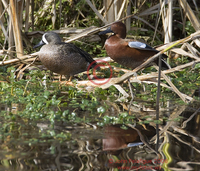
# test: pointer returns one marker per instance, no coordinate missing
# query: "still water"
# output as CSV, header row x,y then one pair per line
x,y
27,145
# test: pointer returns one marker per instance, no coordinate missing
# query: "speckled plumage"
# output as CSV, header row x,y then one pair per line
x,y
62,58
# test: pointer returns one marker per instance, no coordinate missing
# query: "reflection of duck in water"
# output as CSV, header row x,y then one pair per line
x,y
116,138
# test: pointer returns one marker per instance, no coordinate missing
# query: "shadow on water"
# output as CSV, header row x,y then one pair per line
x,y
28,145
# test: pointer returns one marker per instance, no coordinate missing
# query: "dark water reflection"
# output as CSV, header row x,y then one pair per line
x,y
27,146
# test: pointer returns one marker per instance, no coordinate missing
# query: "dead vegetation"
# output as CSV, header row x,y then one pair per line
x,y
18,20
189,45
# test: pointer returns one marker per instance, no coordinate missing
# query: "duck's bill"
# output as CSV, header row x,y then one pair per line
x,y
39,44
108,30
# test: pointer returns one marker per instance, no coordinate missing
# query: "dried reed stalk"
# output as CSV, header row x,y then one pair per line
x,y
16,29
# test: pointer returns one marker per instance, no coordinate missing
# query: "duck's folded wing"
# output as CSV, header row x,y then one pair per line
x,y
87,56
144,46
140,46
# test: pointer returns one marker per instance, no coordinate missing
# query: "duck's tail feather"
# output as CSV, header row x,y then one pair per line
x,y
164,64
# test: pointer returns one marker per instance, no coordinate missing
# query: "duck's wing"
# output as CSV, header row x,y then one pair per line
x,y
144,46
84,54
140,46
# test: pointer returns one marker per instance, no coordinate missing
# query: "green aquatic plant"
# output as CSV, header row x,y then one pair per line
x,y
47,102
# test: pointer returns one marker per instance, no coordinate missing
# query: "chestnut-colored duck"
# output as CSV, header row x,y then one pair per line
x,y
127,52
63,58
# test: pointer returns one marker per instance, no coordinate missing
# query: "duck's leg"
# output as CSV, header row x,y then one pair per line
x,y
70,78
60,78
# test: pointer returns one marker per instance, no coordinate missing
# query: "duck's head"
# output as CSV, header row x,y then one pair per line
x,y
118,28
49,38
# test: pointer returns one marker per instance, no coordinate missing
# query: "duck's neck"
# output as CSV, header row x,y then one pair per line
x,y
114,39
